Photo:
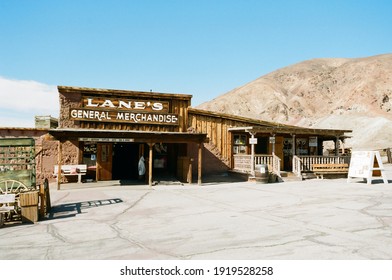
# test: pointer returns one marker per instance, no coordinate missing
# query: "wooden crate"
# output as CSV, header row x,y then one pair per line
x,y
28,198
29,206
30,214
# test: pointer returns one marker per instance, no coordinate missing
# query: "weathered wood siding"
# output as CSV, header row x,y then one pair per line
x,y
278,150
216,126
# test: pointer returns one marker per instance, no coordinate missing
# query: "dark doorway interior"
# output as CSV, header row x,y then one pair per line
x,y
164,165
125,161
262,145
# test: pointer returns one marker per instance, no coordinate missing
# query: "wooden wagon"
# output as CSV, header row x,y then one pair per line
x,y
18,180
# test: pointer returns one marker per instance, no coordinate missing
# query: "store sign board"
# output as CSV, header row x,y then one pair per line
x,y
115,140
127,104
122,110
89,148
365,165
313,141
123,116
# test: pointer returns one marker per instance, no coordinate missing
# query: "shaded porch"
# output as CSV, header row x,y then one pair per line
x,y
288,149
300,164
104,154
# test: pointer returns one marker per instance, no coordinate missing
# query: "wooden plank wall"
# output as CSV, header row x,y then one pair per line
x,y
216,128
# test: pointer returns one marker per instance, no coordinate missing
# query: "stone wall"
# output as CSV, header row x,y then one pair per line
x,y
49,158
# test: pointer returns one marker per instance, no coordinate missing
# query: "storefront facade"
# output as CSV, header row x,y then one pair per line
x,y
112,130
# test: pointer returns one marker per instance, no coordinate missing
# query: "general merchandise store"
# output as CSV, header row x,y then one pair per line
x,y
111,130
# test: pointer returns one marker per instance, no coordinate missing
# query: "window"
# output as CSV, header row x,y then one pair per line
x,y
89,153
240,144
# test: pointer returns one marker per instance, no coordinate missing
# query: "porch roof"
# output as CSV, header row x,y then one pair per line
x,y
111,92
292,130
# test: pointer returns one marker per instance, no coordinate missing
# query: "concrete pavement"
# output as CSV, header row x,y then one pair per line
x,y
313,219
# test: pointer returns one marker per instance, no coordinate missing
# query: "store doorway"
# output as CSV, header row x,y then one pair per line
x,y
262,146
165,157
104,161
125,161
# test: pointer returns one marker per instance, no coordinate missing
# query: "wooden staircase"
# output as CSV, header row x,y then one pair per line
x,y
215,151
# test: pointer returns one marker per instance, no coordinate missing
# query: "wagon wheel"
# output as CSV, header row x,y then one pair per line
x,y
16,187
12,186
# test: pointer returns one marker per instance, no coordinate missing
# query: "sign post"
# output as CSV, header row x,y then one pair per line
x,y
366,165
252,142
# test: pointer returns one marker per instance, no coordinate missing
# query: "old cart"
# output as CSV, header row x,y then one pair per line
x,y
18,178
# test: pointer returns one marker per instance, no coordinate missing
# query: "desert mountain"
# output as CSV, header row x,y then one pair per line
x,y
336,93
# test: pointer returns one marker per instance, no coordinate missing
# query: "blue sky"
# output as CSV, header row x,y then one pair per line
x,y
203,48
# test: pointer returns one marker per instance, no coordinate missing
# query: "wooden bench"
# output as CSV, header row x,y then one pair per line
x,y
71,170
7,204
329,169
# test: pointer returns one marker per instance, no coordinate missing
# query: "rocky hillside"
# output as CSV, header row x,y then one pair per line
x,y
324,93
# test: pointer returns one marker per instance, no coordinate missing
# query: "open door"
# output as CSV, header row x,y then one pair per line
x,y
104,161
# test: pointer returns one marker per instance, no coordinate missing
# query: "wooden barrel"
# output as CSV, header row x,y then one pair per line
x,y
261,173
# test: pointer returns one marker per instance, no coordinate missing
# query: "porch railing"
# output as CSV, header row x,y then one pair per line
x,y
242,163
304,163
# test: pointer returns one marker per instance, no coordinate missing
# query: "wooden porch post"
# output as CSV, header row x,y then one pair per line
x,y
150,159
294,145
337,143
199,165
389,155
252,157
59,159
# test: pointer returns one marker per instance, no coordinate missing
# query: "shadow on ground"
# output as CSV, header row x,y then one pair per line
x,y
223,178
72,209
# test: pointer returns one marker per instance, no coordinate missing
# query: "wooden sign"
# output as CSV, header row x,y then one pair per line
x,y
124,111
123,116
94,140
366,165
127,104
313,141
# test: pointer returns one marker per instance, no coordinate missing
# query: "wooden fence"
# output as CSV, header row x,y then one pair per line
x,y
304,163
242,163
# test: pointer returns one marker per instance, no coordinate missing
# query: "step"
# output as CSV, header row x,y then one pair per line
x,y
291,179
287,174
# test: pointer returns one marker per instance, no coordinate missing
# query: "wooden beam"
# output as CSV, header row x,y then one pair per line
x,y
59,159
252,157
389,155
150,159
128,93
294,145
287,129
337,145
199,165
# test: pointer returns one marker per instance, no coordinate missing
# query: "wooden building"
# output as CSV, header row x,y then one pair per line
x,y
243,142
111,130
